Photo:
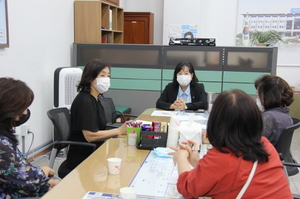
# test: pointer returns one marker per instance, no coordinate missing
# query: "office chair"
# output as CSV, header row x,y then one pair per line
x,y
60,118
294,165
284,144
111,113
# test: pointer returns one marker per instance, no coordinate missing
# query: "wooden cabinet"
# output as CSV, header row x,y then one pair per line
x,y
138,28
98,22
113,2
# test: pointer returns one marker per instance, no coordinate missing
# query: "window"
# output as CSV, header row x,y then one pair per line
x,y
289,24
297,24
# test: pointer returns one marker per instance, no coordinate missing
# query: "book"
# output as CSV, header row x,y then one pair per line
x,y
104,38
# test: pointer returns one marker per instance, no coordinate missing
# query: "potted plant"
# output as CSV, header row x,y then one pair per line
x,y
268,38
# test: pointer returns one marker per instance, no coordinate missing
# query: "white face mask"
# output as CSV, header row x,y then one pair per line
x,y
184,80
102,84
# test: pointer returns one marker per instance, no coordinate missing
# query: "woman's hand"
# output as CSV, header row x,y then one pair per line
x,y
192,148
178,104
179,154
180,157
123,129
53,182
48,171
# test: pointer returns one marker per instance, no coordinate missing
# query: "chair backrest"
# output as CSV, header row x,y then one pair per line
x,y
284,144
60,118
109,109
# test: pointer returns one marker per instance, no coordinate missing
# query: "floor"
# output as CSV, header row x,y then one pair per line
x,y
295,150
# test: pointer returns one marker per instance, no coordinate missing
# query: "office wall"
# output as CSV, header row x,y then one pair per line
x,y
41,37
216,19
154,6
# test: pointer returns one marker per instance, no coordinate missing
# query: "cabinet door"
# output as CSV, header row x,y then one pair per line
x,y
138,28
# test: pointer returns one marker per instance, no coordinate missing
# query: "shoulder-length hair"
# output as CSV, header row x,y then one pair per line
x,y
273,91
235,124
15,98
90,72
179,67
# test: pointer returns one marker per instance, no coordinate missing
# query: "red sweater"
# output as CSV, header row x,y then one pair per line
x,y
222,175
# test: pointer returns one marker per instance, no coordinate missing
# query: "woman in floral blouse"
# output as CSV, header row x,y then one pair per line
x,y
18,178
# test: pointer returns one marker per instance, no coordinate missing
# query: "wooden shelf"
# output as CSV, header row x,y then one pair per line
x,y
95,21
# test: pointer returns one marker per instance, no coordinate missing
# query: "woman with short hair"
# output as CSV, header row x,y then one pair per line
x,y
234,130
275,96
88,121
18,177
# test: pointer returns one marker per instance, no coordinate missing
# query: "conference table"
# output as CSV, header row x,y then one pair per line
x,y
92,174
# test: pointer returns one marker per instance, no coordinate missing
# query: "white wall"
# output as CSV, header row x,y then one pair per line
x,y
40,37
216,19
154,6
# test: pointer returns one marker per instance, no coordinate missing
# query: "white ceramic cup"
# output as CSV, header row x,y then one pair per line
x,y
128,193
114,165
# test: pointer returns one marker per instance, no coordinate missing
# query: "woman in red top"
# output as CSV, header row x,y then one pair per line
x,y
234,129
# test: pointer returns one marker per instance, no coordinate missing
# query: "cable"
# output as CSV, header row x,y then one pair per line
x,y
29,132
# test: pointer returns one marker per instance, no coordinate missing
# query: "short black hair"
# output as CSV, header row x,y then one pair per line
x,y
235,123
179,67
188,33
273,91
90,72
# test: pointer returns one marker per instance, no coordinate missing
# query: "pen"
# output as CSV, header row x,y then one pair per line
x,y
192,147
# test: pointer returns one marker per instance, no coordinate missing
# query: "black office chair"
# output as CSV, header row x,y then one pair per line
x,y
111,113
60,118
284,144
294,165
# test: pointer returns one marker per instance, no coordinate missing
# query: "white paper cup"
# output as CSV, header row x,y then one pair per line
x,y
114,165
128,193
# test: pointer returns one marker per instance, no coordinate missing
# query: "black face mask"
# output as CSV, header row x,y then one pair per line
x,y
23,118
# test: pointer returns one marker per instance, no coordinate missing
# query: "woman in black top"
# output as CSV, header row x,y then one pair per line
x,y
88,120
184,92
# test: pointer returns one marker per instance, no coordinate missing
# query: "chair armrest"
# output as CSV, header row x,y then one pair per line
x,y
291,164
129,115
296,196
117,112
58,143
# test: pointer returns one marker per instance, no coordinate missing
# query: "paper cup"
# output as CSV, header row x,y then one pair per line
x,y
114,165
128,193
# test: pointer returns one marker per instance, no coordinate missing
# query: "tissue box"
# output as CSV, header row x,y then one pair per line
x,y
192,132
150,140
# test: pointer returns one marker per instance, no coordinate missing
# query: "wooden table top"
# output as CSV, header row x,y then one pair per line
x,y
92,174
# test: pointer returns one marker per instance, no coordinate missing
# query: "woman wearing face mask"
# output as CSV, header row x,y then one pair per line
x,y
18,177
88,120
184,93
274,96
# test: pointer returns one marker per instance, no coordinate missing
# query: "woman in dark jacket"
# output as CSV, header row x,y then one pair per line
x,y
184,92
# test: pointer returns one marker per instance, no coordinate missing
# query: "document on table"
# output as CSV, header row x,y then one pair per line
x,y
163,113
99,195
157,177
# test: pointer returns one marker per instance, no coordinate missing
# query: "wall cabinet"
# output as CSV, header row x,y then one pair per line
x,y
98,22
113,2
138,28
